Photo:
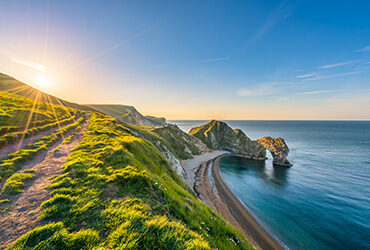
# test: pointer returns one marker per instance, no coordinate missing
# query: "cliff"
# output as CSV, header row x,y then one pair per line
x,y
120,186
218,135
172,142
278,148
128,114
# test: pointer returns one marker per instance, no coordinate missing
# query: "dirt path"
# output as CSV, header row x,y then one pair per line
x,y
11,148
23,215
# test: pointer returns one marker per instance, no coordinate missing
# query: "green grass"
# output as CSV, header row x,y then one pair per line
x,y
68,139
55,236
4,201
118,191
4,205
14,161
14,184
16,112
15,136
169,137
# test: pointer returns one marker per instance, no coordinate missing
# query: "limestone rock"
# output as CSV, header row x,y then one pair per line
x,y
218,135
278,148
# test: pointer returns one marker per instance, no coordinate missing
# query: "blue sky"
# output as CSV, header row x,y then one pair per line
x,y
196,59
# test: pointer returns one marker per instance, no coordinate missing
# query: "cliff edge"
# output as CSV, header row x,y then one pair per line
x,y
218,135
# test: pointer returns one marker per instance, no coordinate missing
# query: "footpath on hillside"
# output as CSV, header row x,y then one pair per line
x,y
24,212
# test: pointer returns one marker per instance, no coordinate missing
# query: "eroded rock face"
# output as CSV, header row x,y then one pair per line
x,y
278,148
218,135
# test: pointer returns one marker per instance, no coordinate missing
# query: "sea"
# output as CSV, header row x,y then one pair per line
x,y
323,200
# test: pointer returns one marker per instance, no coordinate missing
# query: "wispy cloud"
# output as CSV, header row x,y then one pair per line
x,y
364,49
306,75
213,60
321,77
117,46
262,89
30,64
288,15
274,17
318,92
334,65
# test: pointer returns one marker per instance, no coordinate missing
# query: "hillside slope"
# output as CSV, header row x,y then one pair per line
x,y
12,85
128,114
117,189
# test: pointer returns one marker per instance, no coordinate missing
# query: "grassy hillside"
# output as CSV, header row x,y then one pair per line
x,y
118,190
11,85
21,118
127,114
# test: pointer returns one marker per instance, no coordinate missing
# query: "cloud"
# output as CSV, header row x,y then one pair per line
x,y
274,17
30,64
364,49
329,66
321,77
318,92
213,60
117,46
258,90
288,15
306,75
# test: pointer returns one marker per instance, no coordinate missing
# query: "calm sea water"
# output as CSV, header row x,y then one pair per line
x,y
323,201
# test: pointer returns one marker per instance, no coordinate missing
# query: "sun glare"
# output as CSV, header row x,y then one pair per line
x,y
42,81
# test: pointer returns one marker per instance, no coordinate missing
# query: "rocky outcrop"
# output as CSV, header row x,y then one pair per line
x,y
278,148
218,135
183,145
157,121
172,160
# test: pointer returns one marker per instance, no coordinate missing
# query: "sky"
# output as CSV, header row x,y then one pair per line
x,y
243,60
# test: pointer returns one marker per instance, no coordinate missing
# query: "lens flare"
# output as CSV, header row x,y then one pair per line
x,y
42,81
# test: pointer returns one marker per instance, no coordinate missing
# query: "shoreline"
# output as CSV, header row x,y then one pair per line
x,y
244,217
216,194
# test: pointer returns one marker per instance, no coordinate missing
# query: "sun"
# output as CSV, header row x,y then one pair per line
x,y
42,81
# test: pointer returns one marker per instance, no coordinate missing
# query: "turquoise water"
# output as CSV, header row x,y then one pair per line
x,y
323,201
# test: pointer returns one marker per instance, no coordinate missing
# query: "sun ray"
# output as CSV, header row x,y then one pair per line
x,y
54,112
28,121
63,106
27,92
17,88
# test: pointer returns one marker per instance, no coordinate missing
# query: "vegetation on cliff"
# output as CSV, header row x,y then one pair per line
x,y
128,114
118,191
218,135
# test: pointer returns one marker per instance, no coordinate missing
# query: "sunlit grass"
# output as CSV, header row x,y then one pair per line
x,y
122,189
14,184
